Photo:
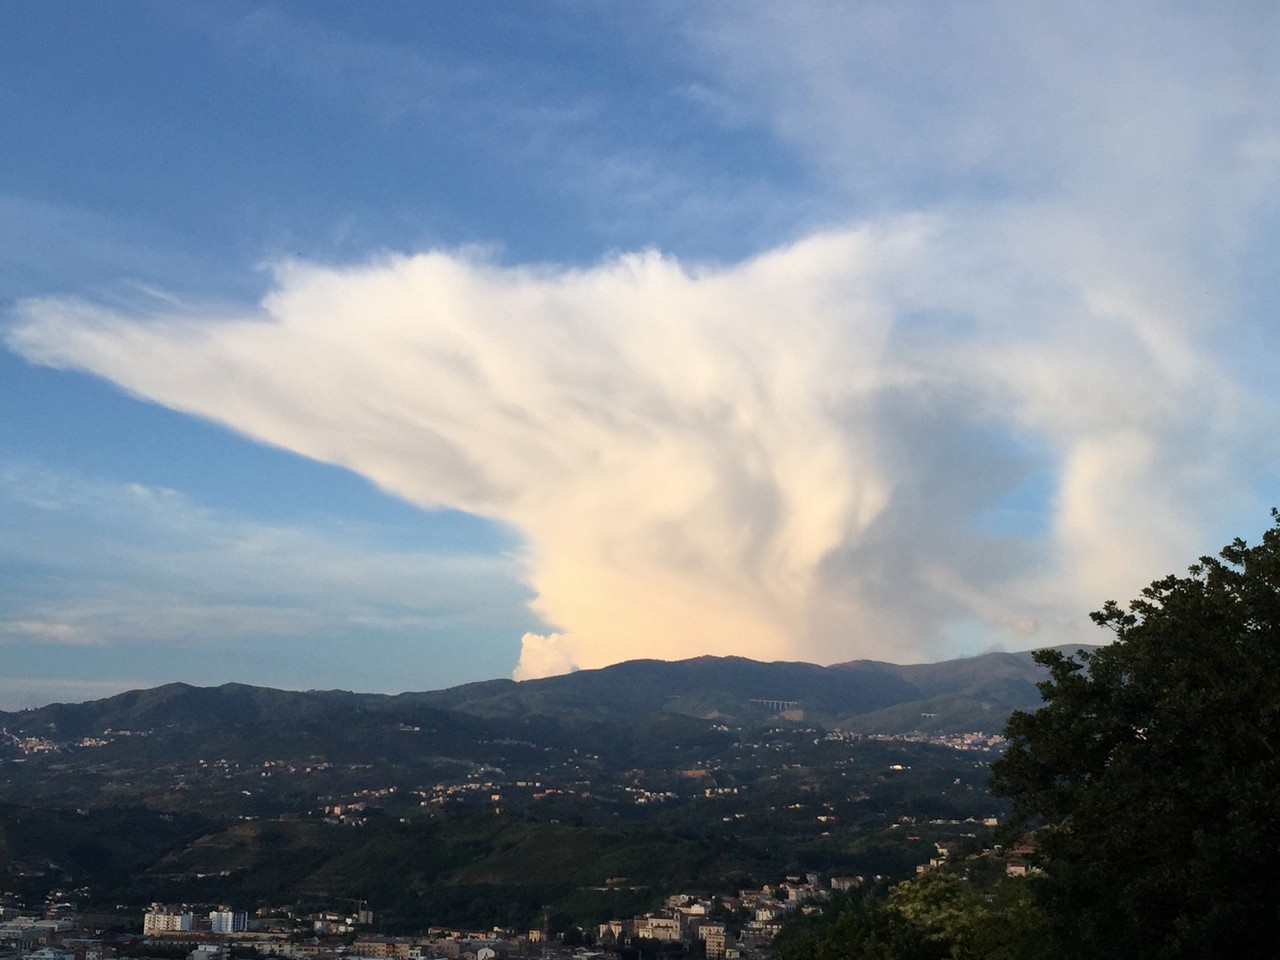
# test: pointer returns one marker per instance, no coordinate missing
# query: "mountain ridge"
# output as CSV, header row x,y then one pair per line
x,y
856,695
718,767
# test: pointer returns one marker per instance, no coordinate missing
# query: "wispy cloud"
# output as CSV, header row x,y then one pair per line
x,y
50,246
127,564
556,134
47,631
393,81
1022,298
18,693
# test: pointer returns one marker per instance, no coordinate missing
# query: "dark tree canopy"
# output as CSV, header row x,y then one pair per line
x,y
1151,770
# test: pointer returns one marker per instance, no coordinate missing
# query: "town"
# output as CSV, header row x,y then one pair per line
x,y
276,823
719,928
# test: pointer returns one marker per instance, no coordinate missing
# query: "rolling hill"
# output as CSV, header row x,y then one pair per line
x,y
865,695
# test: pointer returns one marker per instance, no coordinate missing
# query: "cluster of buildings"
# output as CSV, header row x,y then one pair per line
x,y
757,915
165,919
740,927
976,740
27,933
29,745
53,936
727,929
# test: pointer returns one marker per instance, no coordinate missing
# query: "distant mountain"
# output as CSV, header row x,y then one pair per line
x,y
450,803
708,687
861,695
974,693
258,715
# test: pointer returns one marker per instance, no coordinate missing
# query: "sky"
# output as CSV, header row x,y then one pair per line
x,y
394,347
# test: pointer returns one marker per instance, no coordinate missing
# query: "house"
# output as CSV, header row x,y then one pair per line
x,y
162,919
666,929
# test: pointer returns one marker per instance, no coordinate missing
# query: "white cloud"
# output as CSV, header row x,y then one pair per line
x,y
544,656
767,459
48,631
128,564
790,457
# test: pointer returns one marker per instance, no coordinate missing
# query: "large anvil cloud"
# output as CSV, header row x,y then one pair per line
x,y
795,457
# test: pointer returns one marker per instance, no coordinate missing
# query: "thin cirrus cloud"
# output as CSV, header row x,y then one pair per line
x,y
48,631
22,692
141,567
785,458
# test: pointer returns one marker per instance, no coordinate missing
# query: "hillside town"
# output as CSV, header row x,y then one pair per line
x,y
720,928
738,927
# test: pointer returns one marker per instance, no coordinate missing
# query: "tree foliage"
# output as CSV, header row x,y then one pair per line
x,y
935,916
1152,769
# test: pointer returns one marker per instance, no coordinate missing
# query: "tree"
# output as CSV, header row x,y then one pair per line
x,y
1152,773
934,916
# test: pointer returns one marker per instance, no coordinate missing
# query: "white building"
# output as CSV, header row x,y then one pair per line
x,y
164,920
666,929
228,921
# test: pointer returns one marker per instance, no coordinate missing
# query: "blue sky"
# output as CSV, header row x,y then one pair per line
x,y
390,348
